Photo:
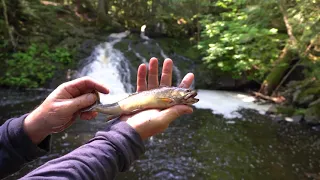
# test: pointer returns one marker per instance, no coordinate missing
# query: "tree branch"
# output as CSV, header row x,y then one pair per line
x,y
286,22
287,75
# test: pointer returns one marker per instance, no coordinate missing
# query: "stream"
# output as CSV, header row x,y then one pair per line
x,y
227,137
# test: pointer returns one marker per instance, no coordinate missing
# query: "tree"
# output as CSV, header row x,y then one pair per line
x,y
304,20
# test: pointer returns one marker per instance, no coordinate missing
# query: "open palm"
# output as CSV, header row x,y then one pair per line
x,y
153,121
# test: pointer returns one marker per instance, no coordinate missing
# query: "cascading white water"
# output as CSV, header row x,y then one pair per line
x,y
227,103
106,67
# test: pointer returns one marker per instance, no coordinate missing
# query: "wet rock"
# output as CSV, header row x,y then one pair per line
x,y
278,118
226,82
316,128
272,110
297,118
311,119
288,119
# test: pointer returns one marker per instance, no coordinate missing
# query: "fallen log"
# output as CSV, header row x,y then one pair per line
x,y
278,99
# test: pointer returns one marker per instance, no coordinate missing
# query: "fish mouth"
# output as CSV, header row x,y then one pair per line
x,y
190,98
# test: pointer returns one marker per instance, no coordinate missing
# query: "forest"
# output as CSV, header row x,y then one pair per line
x,y
270,47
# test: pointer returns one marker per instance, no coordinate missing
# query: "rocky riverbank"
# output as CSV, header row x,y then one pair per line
x,y
302,104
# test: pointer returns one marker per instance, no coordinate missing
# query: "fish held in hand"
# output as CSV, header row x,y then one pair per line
x,y
160,98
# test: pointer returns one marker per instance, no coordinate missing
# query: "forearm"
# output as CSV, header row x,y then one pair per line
x,y
35,126
109,152
16,148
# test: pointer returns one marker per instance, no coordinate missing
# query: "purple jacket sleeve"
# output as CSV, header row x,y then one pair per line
x,y
109,152
16,148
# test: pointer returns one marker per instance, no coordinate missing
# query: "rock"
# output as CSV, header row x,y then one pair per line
x,y
311,119
296,95
297,118
314,103
316,128
278,119
272,110
294,119
292,84
305,101
226,83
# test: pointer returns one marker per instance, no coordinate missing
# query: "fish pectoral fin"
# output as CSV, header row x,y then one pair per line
x,y
166,100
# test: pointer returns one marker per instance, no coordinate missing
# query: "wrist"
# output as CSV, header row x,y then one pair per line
x,y
34,126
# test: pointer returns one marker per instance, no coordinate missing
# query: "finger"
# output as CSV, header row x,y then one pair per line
x,y
80,102
166,76
84,85
88,115
153,81
141,78
187,80
168,115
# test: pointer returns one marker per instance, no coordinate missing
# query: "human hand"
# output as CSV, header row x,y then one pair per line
x,y
61,107
150,122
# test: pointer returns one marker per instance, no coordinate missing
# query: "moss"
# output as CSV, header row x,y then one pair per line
x,y
122,46
299,111
313,111
275,75
314,90
180,46
308,92
287,110
134,60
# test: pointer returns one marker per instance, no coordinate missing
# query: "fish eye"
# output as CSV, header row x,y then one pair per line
x,y
188,90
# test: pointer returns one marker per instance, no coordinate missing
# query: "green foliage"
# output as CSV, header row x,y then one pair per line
x,y
35,66
245,38
233,43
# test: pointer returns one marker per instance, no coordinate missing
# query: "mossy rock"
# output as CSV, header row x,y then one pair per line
x,y
313,113
305,97
287,110
180,46
314,89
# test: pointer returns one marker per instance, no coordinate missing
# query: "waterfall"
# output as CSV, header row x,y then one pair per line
x,y
109,66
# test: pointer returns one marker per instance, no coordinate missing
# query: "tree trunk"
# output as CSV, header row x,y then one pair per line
x,y
102,12
284,60
10,31
276,74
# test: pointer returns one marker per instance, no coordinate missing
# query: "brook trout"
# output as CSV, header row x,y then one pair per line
x,y
160,98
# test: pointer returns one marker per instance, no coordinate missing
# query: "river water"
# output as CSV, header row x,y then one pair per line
x,y
215,142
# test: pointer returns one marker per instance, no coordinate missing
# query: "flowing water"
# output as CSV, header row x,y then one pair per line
x,y
215,142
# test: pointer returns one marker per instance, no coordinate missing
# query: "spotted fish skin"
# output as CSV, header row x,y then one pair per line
x,y
159,98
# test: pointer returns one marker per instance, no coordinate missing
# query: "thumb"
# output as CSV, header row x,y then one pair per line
x,y
172,113
82,101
